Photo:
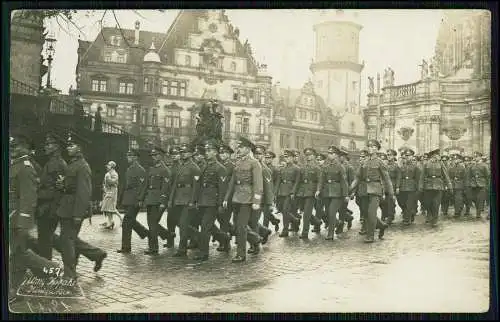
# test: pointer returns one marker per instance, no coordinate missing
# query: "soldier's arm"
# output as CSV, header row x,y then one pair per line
x,y
230,188
296,178
421,178
344,185
278,182
144,187
27,183
142,181
355,182
418,173
83,191
398,177
257,184
444,171
196,182
165,186
321,179
386,179
221,183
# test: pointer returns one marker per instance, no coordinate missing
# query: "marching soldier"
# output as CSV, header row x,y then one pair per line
x,y
362,214
333,188
309,175
175,157
446,198
345,214
423,204
433,181
372,180
154,196
267,200
182,198
268,211
209,199
245,190
408,187
478,179
23,183
49,196
76,185
224,214
395,175
286,187
319,207
457,173
467,188
135,184
297,207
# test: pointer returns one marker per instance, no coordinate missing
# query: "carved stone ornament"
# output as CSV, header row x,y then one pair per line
x,y
406,133
454,133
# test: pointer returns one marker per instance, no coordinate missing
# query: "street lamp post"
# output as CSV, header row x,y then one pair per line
x,y
50,50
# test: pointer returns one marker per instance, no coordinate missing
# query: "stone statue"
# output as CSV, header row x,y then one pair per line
x,y
371,85
236,32
378,83
434,68
424,71
386,78
209,122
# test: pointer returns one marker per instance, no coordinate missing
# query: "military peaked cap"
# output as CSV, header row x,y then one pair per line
x,y
185,148
20,138
309,151
288,153
392,152
224,148
477,154
54,138
243,141
409,152
374,143
433,153
321,156
77,138
270,154
260,149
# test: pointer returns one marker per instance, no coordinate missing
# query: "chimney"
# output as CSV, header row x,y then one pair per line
x,y
136,35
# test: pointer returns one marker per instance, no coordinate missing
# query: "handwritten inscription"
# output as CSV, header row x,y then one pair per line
x,y
53,287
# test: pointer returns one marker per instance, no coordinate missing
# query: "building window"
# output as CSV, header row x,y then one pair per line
x,y
352,128
110,110
99,85
352,145
135,114
107,57
187,61
299,142
126,88
235,94
173,122
120,58
262,126
242,124
134,144
182,89
250,96
164,87
233,66
284,140
173,88
146,84
154,117
262,97
243,96
144,117
314,116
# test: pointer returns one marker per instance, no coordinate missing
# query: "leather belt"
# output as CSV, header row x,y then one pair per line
x,y
433,177
208,185
181,185
285,181
240,182
331,180
369,180
305,181
407,177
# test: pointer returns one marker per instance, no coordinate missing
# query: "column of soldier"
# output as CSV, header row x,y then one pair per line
x,y
202,185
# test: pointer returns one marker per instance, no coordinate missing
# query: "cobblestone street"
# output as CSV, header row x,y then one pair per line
x,y
444,269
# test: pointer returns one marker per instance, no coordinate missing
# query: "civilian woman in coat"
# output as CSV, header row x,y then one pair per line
x,y
110,195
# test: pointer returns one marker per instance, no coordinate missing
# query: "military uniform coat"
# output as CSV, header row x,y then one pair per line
x,y
186,184
246,186
110,191
434,176
48,193
157,188
287,180
268,182
23,184
213,182
478,175
308,179
457,175
410,175
372,178
135,184
395,174
332,181
77,192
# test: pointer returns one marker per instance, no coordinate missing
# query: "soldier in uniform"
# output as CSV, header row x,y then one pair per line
x,y
135,184
457,173
424,158
395,175
372,181
333,188
268,211
74,206
23,183
408,187
446,198
49,196
285,189
245,190
154,196
433,181
210,197
467,188
308,185
477,178
183,196
224,214
267,200
319,207
362,214
175,158
345,214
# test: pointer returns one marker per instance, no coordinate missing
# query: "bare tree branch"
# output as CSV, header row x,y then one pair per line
x,y
70,21
137,13
60,26
123,35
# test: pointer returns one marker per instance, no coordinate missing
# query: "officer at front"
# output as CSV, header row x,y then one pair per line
x,y
23,183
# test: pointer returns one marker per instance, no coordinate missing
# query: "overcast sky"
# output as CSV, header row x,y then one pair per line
x,y
282,39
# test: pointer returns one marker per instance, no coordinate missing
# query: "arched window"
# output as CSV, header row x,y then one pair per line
x,y
188,60
233,66
352,145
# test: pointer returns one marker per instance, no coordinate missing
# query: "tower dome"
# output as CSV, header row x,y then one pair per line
x,y
152,56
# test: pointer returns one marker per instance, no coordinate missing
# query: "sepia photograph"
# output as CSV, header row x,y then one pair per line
x,y
249,161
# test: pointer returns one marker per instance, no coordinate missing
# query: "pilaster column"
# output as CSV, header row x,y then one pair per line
x,y
476,140
420,137
390,132
435,139
486,135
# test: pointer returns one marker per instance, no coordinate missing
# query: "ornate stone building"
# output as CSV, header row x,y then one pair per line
x,y
327,109
449,107
150,84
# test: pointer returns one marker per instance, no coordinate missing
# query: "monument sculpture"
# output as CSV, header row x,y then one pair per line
x,y
371,85
424,69
209,123
388,77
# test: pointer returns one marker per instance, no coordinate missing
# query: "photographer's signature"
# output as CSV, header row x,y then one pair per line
x,y
45,306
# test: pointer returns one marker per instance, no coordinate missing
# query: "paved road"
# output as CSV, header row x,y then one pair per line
x,y
414,269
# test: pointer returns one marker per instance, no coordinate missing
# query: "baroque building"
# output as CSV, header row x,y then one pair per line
x,y
327,109
151,84
450,106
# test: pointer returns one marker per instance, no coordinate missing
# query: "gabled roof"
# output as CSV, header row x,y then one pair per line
x,y
176,37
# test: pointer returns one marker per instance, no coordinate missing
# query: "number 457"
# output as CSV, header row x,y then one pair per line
x,y
52,270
